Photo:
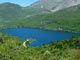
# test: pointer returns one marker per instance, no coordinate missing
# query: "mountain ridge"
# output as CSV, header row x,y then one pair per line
x,y
10,11
55,5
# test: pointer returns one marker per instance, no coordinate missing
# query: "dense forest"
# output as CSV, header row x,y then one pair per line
x,y
12,48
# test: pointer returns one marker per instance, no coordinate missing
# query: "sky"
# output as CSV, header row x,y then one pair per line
x,y
20,2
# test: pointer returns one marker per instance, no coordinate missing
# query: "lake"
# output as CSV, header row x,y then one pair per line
x,y
41,36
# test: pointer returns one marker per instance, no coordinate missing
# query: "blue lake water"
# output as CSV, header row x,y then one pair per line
x,y
41,36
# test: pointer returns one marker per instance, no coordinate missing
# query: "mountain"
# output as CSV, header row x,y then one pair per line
x,y
55,5
10,11
67,19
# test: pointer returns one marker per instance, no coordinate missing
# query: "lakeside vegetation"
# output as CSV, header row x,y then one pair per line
x,y
11,48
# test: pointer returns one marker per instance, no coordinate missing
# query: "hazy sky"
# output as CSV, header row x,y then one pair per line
x,y
20,2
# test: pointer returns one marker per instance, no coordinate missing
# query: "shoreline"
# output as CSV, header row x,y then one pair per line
x,y
42,29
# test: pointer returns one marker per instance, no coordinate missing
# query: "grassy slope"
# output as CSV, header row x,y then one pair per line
x,y
67,19
9,11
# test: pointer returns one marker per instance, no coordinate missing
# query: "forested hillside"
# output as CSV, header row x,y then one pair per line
x,y
12,49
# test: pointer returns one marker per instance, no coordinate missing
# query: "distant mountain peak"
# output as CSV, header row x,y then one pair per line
x,y
55,5
9,4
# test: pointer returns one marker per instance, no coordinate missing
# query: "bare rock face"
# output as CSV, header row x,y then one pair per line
x,y
55,5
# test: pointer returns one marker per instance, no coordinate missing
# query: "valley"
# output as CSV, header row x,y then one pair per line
x,y
49,31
